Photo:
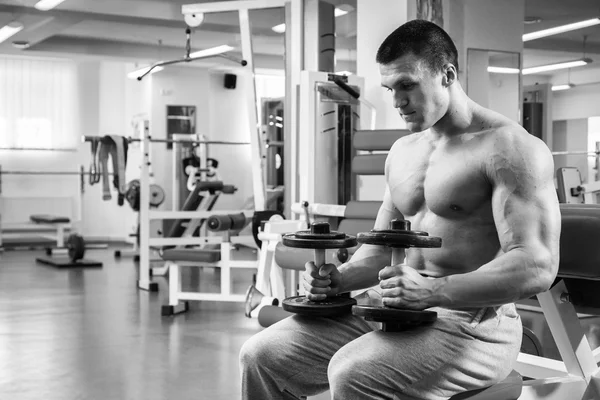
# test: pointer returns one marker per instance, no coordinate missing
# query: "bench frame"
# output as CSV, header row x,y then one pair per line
x,y
177,298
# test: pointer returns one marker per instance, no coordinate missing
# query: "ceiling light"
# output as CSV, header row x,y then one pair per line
x,y
139,72
10,30
554,67
503,70
211,51
45,5
20,44
343,9
346,73
279,28
560,29
556,88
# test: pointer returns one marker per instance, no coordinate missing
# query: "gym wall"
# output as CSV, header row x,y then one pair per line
x,y
220,115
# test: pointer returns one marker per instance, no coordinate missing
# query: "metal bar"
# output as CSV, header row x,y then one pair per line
x,y
47,173
193,240
144,270
240,298
195,214
569,153
566,330
537,367
193,141
70,150
223,6
257,145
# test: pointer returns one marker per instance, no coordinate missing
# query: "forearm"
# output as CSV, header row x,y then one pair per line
x,y
362,271
513,276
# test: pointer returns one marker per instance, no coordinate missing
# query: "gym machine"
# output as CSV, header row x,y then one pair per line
x,y
146,215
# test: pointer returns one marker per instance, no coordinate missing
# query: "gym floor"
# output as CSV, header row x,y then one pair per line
x,y
87,334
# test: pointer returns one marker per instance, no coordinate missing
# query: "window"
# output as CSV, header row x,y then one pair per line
x,y
37,104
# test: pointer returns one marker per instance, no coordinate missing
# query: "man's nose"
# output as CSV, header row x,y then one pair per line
x,y
400,101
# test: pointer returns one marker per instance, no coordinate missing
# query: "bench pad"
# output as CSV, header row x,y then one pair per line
x,y
48,219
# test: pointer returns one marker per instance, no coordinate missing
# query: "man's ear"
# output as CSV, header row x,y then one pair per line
x,y
450,75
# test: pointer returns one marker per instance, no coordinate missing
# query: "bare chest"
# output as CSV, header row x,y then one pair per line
x,y
448,181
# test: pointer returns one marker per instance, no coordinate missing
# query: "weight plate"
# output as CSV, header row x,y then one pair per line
x,y
389,314
319,236
157,195
76,247
291,240
531,344
330,307
398,239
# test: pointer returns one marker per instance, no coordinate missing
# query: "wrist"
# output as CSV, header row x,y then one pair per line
x,y
438,298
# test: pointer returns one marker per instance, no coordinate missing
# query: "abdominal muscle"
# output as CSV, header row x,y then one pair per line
x,y
467,244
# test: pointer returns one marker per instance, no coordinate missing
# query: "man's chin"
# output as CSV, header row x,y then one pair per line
x,y
415,127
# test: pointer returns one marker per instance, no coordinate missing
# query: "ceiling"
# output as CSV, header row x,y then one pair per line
x,y
144,31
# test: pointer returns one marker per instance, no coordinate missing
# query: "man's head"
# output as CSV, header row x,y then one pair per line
x,y
418,64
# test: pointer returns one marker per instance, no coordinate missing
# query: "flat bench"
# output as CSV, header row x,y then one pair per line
x,y
60,223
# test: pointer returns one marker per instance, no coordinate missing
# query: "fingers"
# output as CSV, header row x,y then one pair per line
x,y
326,269
316,281
390,272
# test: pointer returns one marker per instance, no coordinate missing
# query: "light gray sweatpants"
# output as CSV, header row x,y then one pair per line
x,y
300,356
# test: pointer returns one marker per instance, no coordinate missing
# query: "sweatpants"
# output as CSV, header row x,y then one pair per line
x,y
303,356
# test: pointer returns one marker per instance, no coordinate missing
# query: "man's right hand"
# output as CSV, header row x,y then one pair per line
x,y
320,283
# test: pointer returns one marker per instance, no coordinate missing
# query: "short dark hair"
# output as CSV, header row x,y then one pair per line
x,y
423,39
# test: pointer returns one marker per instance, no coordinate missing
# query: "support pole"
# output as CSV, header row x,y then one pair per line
x,y
144,274
256,145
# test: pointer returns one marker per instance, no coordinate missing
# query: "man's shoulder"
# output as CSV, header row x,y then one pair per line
x,y
512,136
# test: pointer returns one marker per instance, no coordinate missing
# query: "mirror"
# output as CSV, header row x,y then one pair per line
x,y
494,81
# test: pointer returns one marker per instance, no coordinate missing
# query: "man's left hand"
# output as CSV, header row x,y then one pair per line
x,y
403,287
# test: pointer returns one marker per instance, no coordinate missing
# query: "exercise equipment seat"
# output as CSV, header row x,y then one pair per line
x,y
204,255
48,219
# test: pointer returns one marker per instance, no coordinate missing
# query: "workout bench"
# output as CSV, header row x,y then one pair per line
x,y
61,224
222,257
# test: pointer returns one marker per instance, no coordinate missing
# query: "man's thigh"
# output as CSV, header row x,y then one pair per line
x,y
297,350
462,350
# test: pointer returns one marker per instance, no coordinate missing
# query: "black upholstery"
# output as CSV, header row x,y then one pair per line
x,y
369,164
579,250
380,139
200,255
48,219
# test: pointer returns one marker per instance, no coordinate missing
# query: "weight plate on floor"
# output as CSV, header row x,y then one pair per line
x,y
330,307
389,314
76,247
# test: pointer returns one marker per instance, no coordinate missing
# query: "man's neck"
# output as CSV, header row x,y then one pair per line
x,y
459,116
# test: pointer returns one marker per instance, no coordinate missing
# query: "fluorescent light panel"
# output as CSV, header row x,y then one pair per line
x,y
10,30
556,88
139,72
337,12
45,5
211,51
560,29
503,70
556,66
279,28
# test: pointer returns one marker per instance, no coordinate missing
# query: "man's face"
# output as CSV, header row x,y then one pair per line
x,y
418,93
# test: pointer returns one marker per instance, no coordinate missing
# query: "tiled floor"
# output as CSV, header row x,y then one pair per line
x,y
90,334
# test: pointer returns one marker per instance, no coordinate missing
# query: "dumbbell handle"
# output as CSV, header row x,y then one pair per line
x,y
319,257
398,255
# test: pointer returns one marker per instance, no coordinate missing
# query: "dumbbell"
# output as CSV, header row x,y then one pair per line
x,y
399,237
320,238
